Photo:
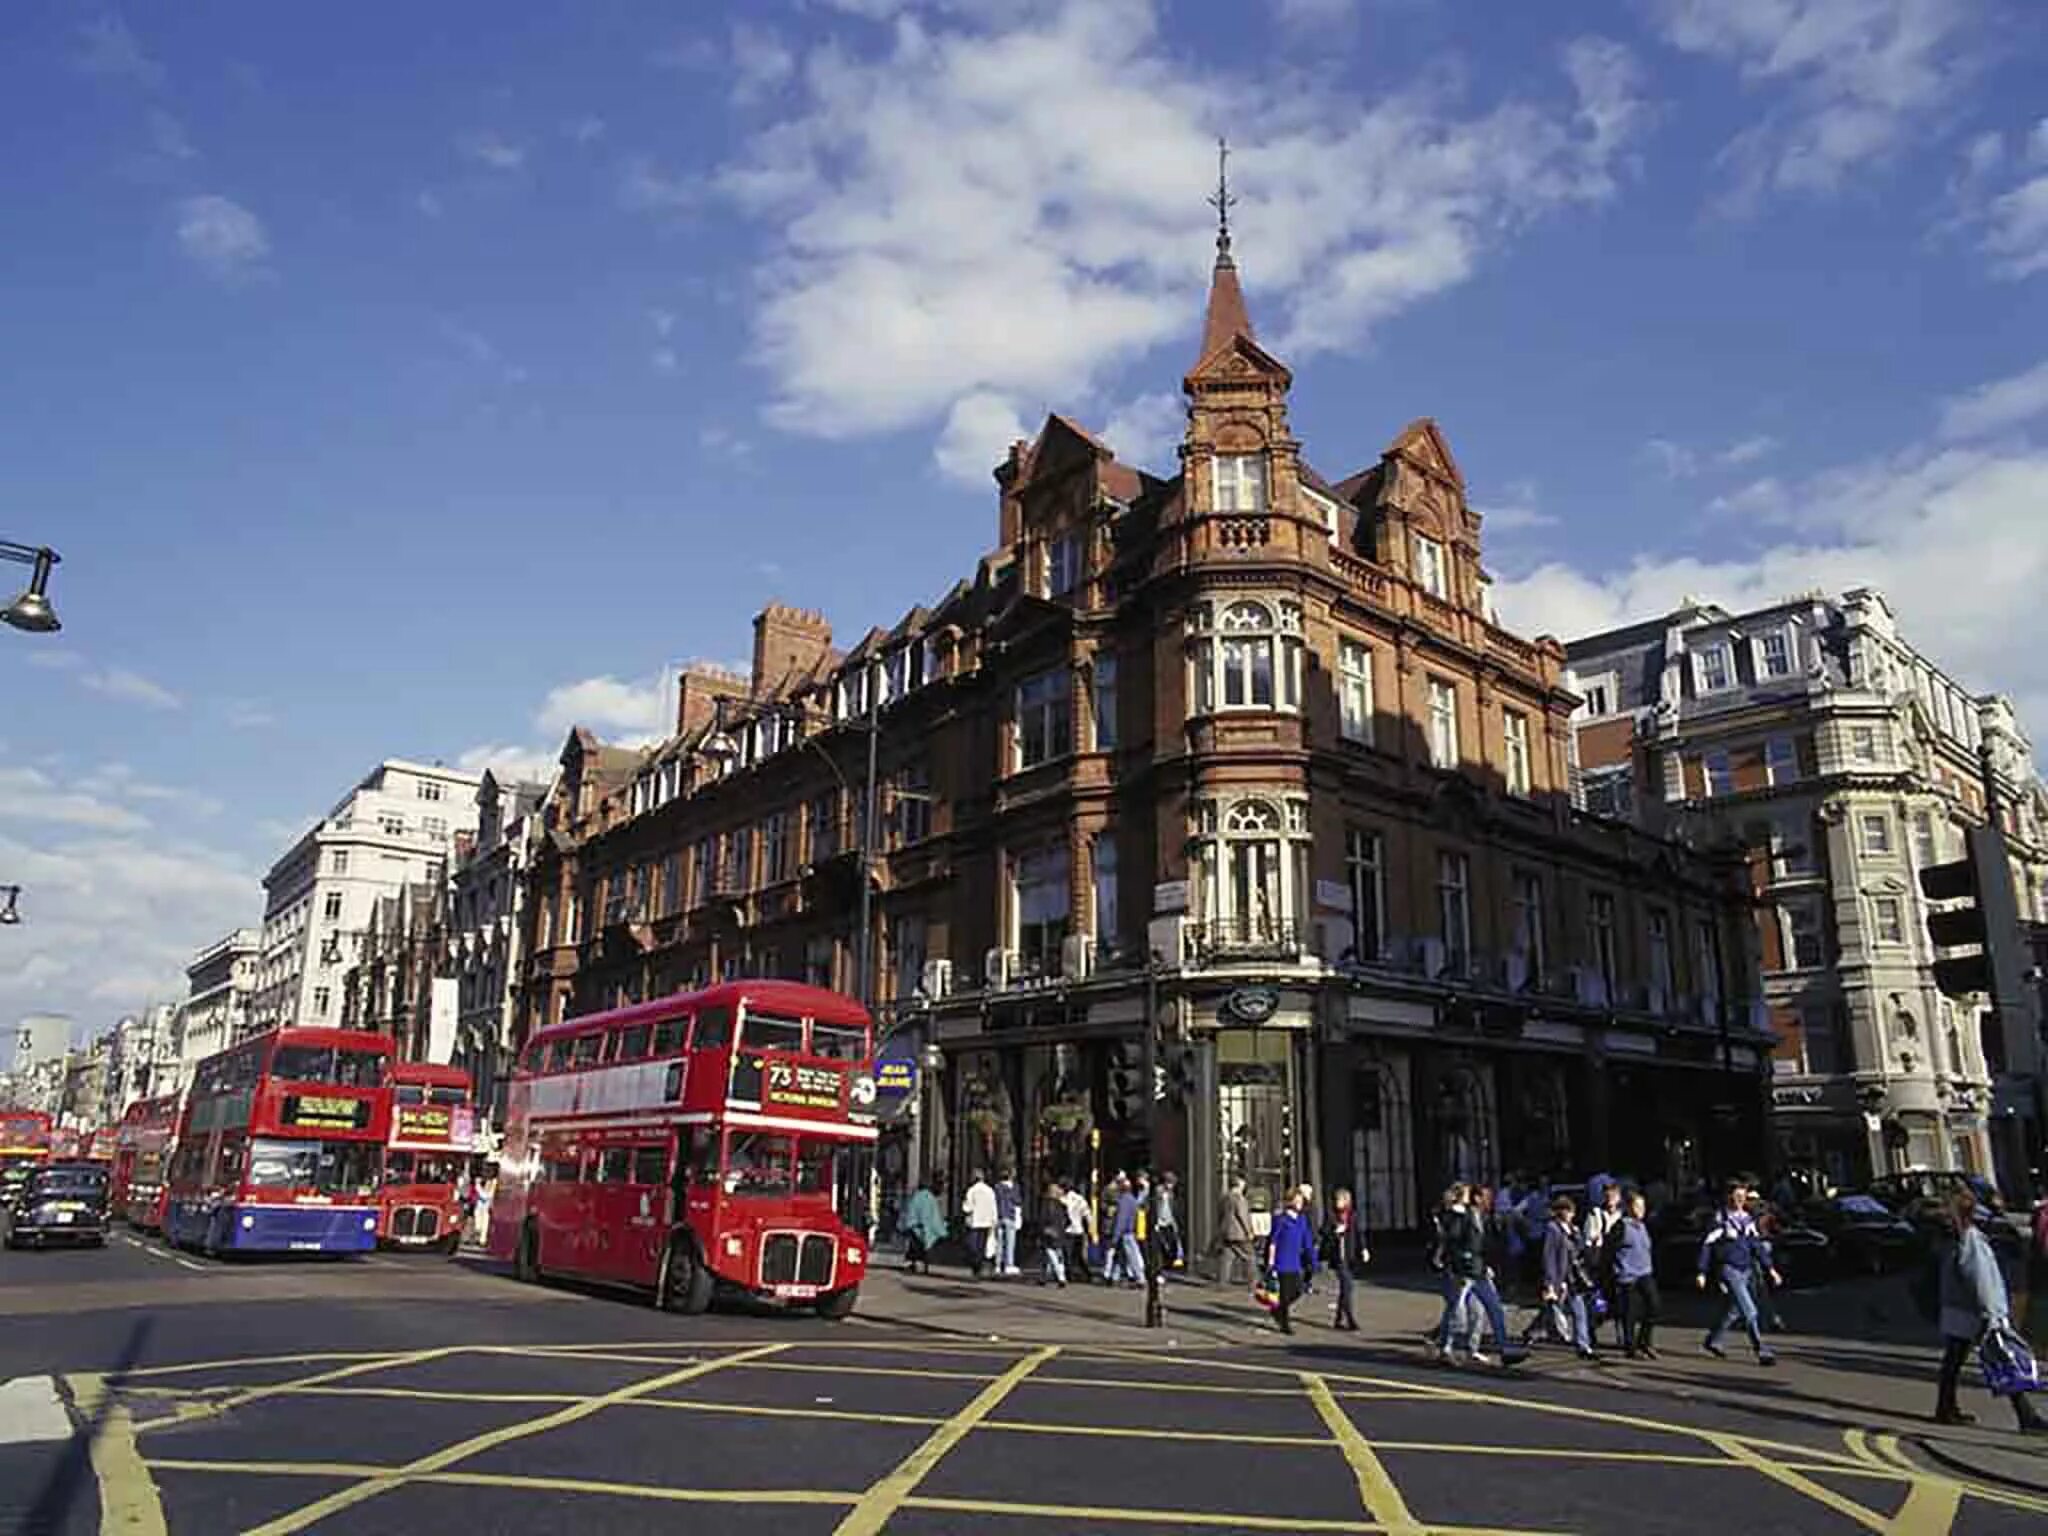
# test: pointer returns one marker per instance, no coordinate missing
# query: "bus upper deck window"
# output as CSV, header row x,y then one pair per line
x,y
714,1028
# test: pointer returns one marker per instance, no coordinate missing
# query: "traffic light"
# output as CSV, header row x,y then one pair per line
x,y
1126,1084
1177,1075
1959,927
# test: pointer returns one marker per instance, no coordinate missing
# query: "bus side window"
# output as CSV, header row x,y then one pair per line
x,y
586,1050
698,1159
558,1055
714,1028
650,1164
633,1044
536,1054
668,1036
614,1165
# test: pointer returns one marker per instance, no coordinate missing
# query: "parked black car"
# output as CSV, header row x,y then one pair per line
x,y
1865,1236
1920,1196
62,1203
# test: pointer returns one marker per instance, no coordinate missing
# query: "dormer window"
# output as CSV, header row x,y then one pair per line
x,y
1063,565
1716,666
1240,482
1431,573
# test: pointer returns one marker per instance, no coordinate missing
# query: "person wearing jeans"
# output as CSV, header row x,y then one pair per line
x,y
1733,1254
1055,1227
1343,1250
1565,1285
1009,1220
1465,1276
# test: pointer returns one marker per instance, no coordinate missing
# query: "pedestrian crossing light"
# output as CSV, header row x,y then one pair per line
x,y
1126,1085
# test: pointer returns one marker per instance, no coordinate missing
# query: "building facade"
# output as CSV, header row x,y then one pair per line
x,y
1239,750
220,988
396,828
139,1050
1846,761
486,934
401,983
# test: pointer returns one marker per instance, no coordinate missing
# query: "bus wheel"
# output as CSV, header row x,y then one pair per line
x,y
526,1259
837,1306
684,1285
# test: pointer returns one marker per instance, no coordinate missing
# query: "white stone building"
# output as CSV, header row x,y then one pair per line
x,y
395,828
1847,761
220,983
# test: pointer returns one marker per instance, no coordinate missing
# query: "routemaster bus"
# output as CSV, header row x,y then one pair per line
x,y
281,1144
433,1131
24,1147
721,1139
142,1156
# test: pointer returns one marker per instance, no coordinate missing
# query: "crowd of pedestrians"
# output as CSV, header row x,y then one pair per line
x,y
1584,1270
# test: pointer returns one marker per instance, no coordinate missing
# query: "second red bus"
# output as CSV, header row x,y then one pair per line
x,y
142,1157
433,1134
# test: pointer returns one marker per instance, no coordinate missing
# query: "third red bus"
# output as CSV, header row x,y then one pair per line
x,y
433,1134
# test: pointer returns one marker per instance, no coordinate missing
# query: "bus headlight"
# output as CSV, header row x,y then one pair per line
x,y
369,1223
853,1253
248,1223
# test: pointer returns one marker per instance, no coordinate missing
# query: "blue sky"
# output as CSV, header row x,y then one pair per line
x,y
417,381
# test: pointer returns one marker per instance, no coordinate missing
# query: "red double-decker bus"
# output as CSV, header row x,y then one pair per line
x,y
433,1133
25,1136
142,1158
722,1138
281,1144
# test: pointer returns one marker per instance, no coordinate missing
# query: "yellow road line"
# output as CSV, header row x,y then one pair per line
x,y
128,1498
188,1411
1889,1450
441,1460
1798,1482
228,1365
886,1495
1192,1387
823,1368
270,1468
1133,1432
1931,1507
437,1395
762,1410
1073,1516
1859,1447
1382,1498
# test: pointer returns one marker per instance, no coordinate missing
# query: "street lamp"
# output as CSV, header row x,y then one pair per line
x,y
31,610
8,915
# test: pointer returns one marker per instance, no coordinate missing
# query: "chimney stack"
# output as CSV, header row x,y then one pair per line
x,y
787,640
698,691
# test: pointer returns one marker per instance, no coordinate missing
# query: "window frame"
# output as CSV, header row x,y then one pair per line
x,y
1354,690
1719,650
1444,749
1044,717
1430,560
1238,484
1515,754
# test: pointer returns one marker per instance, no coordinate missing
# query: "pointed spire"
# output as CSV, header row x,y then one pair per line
x,y
1227,317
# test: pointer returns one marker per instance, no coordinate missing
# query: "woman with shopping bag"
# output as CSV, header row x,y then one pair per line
x,y
1976,1313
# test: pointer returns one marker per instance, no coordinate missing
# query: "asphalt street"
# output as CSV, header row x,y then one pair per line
x,y
414,1394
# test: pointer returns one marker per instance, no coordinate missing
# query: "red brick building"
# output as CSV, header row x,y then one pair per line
x,y
1241,746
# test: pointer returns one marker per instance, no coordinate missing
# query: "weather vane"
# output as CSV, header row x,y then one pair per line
x,y
1223,202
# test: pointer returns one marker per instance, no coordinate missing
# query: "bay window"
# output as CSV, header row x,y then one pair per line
x,y
1240,482
1249,657
1254,861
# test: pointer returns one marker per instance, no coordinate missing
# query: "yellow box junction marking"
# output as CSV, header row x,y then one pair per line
x,y
1383,1500
887,1495
129,1503
442,1459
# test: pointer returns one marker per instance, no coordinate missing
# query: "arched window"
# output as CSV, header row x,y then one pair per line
x,y
1254,859
1248,657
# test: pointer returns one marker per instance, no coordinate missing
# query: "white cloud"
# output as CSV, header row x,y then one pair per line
x,y
979,430
429,202
31,796
491,150
1950,533
940,191
1316,17
1145,431
1847,82
1764,498
761,63
222,237
248,714
724,442
532,764
2016,229
1676,460
1992,408
1748,450
107,47
170,138
585,130
131,687
111,917
645,187
614,709
664,360
2003,198
1515,518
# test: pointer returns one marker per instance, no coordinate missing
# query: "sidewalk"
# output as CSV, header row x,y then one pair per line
x,y
1881,1380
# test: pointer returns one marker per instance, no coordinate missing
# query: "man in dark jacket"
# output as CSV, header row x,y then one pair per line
x,y
1734,1256
1565,1281
1234,1234
1465,1275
